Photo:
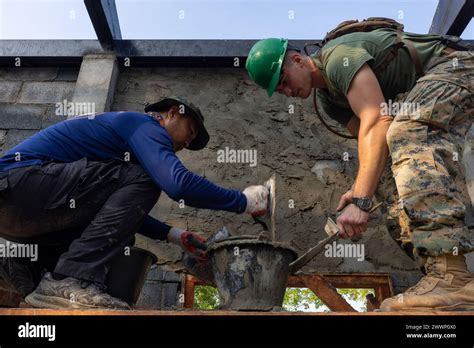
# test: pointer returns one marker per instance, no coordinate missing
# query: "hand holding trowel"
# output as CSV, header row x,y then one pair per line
x,y
268,219
332,231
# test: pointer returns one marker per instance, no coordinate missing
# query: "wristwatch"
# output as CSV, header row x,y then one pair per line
x,y
364,203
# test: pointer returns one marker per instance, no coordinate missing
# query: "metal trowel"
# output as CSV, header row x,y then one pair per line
x,y
268,220
332,231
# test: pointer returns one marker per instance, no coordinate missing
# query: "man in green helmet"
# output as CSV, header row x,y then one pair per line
x,y
419,145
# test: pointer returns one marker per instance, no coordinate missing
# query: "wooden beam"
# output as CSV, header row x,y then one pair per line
x,y
104,18
190,283
362,281
327,293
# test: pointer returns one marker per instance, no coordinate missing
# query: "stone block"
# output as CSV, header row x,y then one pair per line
x,y
17,116
9,91
46,92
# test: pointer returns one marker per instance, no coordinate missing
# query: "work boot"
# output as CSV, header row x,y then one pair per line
x,y
18,274
447,286
72,293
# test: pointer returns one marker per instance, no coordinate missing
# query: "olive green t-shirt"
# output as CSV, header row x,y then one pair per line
x,y
345,55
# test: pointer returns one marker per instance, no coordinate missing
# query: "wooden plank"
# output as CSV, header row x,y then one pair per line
x,y
327,293
357,280
338,280
346,280
168,313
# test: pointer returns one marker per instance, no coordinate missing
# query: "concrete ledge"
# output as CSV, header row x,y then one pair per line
x,y
28,74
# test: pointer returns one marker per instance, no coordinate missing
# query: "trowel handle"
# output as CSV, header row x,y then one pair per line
x,y
196,243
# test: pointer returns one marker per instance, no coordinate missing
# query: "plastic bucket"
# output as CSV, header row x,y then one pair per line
x,y
127,274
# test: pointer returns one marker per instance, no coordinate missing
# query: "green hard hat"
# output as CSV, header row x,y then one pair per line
x,y
264,62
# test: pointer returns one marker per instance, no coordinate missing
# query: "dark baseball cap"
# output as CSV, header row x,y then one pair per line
x,y
202,136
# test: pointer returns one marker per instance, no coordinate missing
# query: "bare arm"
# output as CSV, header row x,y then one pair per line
x,y
365,98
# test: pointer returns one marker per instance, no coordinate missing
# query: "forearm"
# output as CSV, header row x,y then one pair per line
x,y
154,229
373,154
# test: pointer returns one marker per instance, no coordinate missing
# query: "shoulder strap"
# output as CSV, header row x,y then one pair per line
x,y
392,54
329,127
415,57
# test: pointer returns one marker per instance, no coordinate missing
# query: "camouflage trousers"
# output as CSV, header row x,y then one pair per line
x,y
424,184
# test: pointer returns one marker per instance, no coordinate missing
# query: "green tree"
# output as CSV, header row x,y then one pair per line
x,y
206,297
296,299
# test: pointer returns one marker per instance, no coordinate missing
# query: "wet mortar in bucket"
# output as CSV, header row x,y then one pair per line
x,y
251,274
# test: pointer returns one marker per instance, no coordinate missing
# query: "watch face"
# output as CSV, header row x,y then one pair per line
x,y
363,203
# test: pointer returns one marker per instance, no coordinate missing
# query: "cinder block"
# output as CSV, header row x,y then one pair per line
x,y
9,91
16,136
17,116
28,74
160,290
46,92
96,81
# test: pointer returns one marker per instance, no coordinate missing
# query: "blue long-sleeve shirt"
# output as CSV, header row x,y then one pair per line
x,y
116,135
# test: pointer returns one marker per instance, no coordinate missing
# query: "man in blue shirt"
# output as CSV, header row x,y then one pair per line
x,y
82,188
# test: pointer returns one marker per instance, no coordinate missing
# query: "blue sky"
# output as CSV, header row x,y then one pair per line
x,y
209,19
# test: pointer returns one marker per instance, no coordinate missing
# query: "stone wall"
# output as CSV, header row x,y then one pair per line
x,y
27,100
307,159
